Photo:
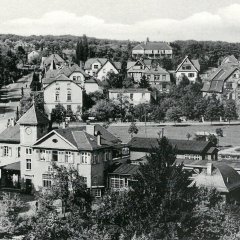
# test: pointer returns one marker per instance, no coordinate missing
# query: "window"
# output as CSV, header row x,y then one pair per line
x,y
188,67
69,157
164,77
50,169
96,192
85,157
55,156
143,95
74,78
19,151
69,108
42,154
28,151
191,75
94,159
228,85
116,183
85,180
164,86
156,77
57,97
131,96
106,156
95,66
69,96
6,151
28,164
47,183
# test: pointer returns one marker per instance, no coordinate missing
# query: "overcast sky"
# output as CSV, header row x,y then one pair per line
x,y
164,20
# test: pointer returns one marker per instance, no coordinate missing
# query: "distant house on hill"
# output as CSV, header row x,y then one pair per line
x,y
189,68
54,61
224,83
158,78
134,95
99,67
137,68
152,50
230,60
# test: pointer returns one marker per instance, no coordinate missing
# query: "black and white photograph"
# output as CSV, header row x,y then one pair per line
x,y
119,120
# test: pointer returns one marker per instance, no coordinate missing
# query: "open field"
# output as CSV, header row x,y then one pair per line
x,y
231,133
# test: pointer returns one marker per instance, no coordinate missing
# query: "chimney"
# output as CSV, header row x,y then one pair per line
x,y
90,129
209,169
98,138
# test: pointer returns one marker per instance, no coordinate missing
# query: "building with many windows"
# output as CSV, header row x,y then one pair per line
x,y
62,90
152,50
28,151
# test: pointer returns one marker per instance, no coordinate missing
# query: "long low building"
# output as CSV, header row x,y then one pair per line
x,y
185,149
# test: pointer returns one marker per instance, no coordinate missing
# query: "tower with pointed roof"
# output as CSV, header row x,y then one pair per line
x,y
33,125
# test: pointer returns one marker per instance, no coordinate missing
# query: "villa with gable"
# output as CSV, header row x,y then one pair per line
x,y
189,68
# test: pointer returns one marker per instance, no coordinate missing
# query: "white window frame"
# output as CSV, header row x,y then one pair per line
x,y
28,164
116,183
29,151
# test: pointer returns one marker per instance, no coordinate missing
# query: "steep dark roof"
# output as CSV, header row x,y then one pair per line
x,y
11,135
54,57
12,166
33,117
183,146
153,46
126,169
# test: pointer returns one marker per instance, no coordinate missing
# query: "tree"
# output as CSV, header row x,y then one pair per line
x,y
35,84
85,48
133,129
144,83
213,139
173,113
10,207
214,109
159,203
128,82
68,187
79,52
113,80
58,114
103,110
230,110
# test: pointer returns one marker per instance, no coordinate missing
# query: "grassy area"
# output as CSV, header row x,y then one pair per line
x,y
231,133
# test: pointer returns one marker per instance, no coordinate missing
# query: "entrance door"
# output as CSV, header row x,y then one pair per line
x,y
28,186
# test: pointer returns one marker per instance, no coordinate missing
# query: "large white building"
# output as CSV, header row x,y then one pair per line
x,y
152,50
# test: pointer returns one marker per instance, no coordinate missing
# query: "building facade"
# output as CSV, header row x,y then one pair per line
x,y
135,96
189,68
152,50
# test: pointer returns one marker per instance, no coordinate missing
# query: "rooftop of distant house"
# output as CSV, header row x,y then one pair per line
x,y
182,146
153,46
129,90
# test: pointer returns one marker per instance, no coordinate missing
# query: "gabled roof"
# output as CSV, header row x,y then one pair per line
x,y
126,169
218,78
90,61
78,137
183,146
153,46
194,62
33,117
146,62
117,66
11,135
223,177
230,60
54,57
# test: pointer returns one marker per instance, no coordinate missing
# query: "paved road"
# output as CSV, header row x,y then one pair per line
x,y
10,96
